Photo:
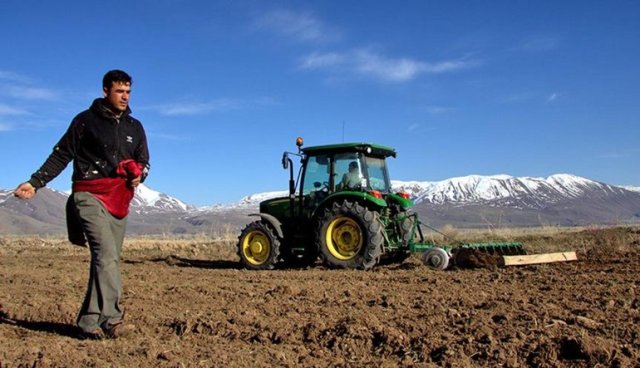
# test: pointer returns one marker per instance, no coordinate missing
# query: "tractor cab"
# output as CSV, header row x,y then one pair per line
x,y
355,171
341,170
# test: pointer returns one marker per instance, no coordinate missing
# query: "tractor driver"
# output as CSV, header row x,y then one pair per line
x,y
351,179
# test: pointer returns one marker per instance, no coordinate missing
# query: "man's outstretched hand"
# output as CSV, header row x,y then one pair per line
x,y
25,191
135,181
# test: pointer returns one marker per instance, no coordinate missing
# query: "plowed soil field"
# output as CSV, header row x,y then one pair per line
x,y
193,306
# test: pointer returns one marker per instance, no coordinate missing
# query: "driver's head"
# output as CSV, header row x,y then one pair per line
x,y
353,166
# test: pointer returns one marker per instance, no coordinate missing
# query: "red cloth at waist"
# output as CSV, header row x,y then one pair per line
x,y
114,193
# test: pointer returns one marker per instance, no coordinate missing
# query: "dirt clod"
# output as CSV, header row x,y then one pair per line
x,y
473,258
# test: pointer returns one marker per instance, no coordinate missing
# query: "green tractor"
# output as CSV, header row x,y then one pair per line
x,y
344,212
341,209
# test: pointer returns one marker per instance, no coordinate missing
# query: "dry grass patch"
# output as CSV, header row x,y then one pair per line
x,y
221,249
593,241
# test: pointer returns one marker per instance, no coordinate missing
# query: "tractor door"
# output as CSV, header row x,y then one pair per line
x,y
316,183
378,174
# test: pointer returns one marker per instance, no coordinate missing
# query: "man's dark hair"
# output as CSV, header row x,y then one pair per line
x,y
115,76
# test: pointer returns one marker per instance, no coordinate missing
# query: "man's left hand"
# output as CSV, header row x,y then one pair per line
x,y
135,181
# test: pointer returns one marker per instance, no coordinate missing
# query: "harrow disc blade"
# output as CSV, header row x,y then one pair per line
x,y
483,255
500,249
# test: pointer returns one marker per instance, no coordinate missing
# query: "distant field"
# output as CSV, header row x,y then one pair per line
x,y
536,239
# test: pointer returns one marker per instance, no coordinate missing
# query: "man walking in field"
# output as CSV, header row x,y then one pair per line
x,y
110,159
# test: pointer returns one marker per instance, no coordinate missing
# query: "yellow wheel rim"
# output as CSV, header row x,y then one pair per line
x,y
344,238
256,247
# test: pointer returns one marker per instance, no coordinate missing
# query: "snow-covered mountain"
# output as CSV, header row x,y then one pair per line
x,y
145,200
470,201
148,200
631,188
497,190
250,202
503,190
5,194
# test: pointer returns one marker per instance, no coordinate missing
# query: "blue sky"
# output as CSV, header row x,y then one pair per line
x,y
525,88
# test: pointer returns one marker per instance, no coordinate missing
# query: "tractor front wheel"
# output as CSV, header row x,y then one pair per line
x,y
349,236
258,246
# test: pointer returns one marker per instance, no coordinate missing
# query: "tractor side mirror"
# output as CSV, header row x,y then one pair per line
x,y
285,160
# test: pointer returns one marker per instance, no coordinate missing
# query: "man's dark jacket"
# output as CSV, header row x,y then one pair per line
x,y
96,141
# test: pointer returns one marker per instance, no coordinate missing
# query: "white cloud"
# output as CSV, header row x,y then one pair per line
x,y
612,155
379,66
299,26
201,108
438,109
5,127
517,97
413,127
197,108
13,77
447,66
539,43
529,96
307,28
29,93
167,137
8,110
21,87
319,61
392,70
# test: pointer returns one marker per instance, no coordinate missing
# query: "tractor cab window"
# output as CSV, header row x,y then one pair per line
x,y
348,172
378,175
316,175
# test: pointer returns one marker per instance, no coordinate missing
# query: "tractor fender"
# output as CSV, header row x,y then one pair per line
x,y
404,203
362,197
277,225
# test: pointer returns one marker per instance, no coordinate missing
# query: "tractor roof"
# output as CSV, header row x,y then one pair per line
x,y
367,148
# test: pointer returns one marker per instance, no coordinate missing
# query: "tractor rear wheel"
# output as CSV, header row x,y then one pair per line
x,y
258,246
349,236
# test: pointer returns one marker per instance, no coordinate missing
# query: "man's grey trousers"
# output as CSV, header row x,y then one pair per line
x,y
105,234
